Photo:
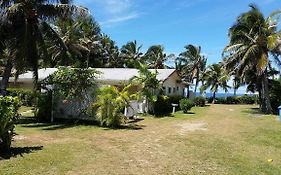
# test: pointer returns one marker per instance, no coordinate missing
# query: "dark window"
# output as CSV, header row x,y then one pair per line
x,y
169,90
177,88
174,90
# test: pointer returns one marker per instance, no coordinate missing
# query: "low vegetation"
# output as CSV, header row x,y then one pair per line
x,y
186,105
218,139
8,113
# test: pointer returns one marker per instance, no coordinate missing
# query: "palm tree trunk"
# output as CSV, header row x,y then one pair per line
x,y
235,90
196,85
214,97
6,76
265,99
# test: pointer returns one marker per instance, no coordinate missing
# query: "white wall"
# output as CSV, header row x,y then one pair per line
x,y
172,87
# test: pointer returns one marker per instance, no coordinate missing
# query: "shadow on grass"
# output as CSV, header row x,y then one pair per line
x,y
131,125
253,111
15,151
163,115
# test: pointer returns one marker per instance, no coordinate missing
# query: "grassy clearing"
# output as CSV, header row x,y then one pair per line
x,y
218,139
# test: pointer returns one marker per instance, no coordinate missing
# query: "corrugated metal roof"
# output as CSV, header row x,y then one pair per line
x,y
113,74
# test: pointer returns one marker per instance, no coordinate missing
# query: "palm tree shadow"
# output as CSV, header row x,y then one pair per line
x,y
15,151
252,111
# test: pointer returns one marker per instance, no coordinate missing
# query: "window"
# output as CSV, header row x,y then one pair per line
x,y
177,88
174,90
169,90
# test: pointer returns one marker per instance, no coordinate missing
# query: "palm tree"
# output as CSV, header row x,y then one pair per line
x,y
82,36
253,38
110,104
111,53
28,26
148,82
131,53
216,77
155,57
192,63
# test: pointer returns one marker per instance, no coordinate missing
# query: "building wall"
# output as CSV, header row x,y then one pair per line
x,y
172,86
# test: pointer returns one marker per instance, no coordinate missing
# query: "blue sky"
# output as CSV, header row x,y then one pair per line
x,y
173,23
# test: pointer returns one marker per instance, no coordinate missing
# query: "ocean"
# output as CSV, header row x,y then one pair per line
x,y
218,95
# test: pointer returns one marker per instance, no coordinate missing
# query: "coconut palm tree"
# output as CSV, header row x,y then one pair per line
x,y
253,38
28,24
192,62
82,36
155,57
216,77
131,53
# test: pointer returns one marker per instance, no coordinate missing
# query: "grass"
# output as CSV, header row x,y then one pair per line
x,y
218,139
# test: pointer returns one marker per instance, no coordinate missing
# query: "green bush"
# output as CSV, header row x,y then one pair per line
x,y
163,105
186,105
199,101
27,96
8,114
247,99
220,100
44,107
232,100
176,99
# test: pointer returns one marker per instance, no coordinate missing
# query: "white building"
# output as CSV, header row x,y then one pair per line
x,y
170,81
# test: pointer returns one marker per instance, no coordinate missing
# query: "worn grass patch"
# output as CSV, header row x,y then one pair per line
x,y
218,139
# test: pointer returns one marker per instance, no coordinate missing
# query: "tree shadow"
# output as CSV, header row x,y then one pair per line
x,y
163,115
253,111
15,151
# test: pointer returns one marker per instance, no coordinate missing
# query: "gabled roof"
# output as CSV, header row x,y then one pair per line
x,y
107,74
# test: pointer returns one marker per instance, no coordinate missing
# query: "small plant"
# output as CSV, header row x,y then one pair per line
x,y
186,105
199,101
27,96
8,114
110,105
44,107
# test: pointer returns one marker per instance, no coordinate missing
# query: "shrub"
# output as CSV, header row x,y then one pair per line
x,y
247,99
8,114
176,99
110,104
186,105
162,105
44,107
199,101
220,100
27,96
232,100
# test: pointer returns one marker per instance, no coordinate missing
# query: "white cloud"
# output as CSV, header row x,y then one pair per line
x,y
114,11
119,19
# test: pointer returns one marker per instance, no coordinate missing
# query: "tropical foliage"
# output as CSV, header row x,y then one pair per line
x,y
26,27
8,114
186,105
216,77
110,106
254,39
192,64
149,84
72,82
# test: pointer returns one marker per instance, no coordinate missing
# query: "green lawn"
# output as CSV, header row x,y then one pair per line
x,y
218,139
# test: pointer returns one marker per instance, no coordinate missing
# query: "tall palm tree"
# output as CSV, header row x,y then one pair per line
x,y
131,53
155,57
111,53
253,38
216,77
81,35
28,24
192,62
